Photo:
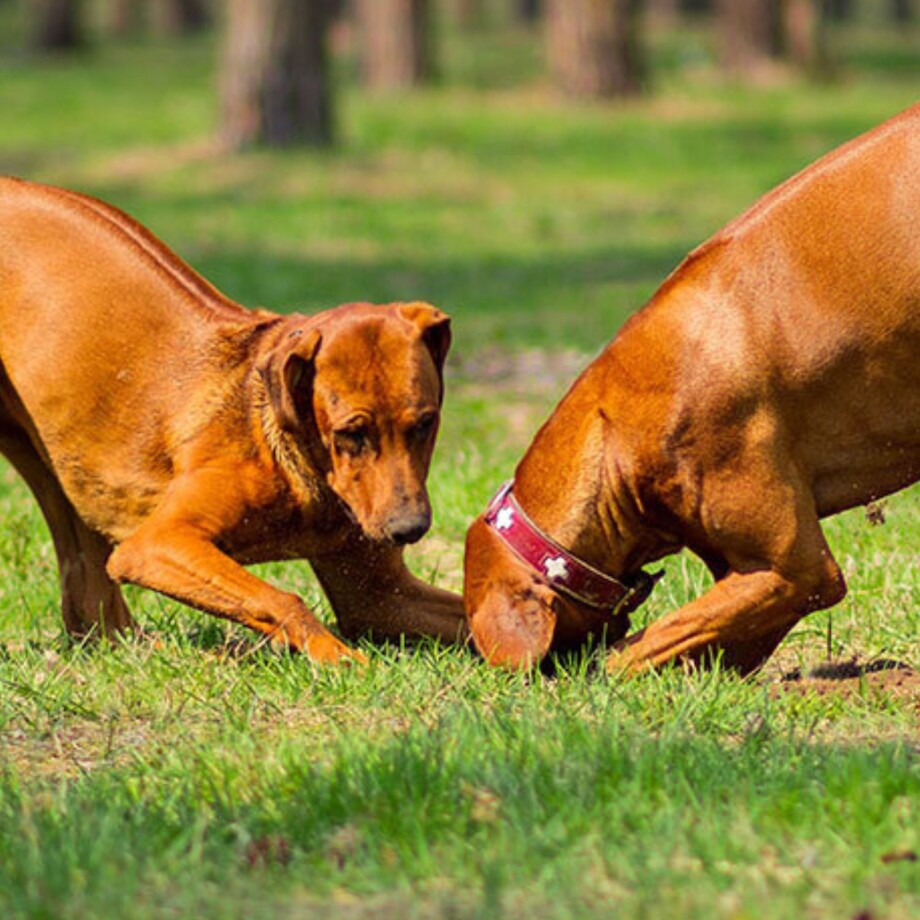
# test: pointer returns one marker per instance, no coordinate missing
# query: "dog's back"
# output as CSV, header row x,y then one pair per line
x,y
807,307
103,332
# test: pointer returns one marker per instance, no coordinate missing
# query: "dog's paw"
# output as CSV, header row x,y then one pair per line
x,y
624,661
329,650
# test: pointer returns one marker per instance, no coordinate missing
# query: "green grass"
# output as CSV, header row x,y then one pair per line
x,y
197,775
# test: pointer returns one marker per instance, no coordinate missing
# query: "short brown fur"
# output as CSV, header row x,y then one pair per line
x,y
172,436
773,379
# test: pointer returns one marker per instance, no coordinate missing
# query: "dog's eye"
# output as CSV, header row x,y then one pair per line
x,y
422,428
350,440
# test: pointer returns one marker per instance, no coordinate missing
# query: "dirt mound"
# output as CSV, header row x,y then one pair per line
x,y
894,678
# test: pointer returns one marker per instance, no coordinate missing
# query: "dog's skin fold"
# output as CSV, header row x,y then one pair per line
x,y
172,436
772,380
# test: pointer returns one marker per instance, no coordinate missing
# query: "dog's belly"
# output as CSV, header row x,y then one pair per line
x,y
867,477
110,501
858,434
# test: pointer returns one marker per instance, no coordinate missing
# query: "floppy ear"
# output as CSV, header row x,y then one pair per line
x,y
434,327
512,616
288,378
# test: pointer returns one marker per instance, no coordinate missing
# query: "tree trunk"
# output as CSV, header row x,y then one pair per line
x,y
902,10
839,10
126,17
594,46
274,76
528,11
179,17
804,35
666,10
395,42
58,25
748,33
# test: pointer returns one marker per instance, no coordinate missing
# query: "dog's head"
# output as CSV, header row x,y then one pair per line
x,y
515,618
360,388
511,613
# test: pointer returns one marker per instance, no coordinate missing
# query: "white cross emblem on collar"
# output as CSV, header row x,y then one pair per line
x,y
556,568
504,518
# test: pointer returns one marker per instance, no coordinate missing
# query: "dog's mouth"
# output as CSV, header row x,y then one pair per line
x,y
397,529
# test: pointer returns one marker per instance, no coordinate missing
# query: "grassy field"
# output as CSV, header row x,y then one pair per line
x,y
198,775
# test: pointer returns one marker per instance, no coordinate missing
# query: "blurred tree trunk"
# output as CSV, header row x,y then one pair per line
x,y
126,17
179,17
395,42
902,10
804,35
665,9
594,46
839,9
755,33
528,10
748,32
274,82
57,25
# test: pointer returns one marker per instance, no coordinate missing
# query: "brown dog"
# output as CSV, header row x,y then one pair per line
x,y
149,413
772,380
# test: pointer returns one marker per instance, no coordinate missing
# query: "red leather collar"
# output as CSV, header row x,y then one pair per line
x,y
557,566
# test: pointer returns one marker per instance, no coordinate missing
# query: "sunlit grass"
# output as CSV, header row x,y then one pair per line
x,y
189,772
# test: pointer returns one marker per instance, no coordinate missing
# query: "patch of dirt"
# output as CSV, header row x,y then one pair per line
x,y
893,678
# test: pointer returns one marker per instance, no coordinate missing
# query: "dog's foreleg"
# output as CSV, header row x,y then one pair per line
x,y
373,593
773,567
192,570
174,552
750,611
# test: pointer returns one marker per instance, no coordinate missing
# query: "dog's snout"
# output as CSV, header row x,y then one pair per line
x,y
409,529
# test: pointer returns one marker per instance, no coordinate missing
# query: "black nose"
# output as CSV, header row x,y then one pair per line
x,y
409,529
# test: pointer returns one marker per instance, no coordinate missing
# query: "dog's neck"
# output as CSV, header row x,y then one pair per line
x,y
576,500
576,481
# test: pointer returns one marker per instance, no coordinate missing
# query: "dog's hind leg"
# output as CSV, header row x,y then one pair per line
x,y
90,601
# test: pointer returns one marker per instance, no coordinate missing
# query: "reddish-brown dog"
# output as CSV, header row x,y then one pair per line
x,y
153,417
772,380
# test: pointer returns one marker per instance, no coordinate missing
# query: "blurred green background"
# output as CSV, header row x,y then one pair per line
x,y
534,217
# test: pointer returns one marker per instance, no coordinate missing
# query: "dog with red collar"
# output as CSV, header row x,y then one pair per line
x,y
772,380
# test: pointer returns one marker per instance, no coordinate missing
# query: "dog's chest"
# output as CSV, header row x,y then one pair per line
x,y
282,530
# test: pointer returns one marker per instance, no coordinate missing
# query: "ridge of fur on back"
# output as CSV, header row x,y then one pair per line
x,y
164,259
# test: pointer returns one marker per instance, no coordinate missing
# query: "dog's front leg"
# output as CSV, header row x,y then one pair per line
x,y
744,616
373,593
174,552
776,567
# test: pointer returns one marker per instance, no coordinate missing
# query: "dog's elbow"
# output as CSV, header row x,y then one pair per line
x,y
129,561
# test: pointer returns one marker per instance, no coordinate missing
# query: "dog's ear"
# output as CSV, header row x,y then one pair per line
x,y
434,328
288,378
